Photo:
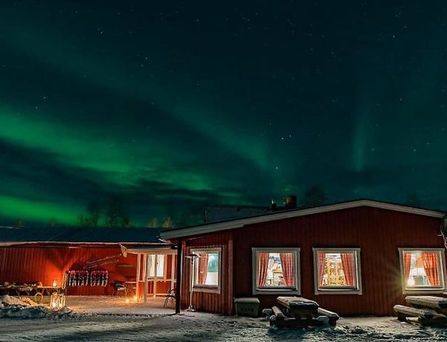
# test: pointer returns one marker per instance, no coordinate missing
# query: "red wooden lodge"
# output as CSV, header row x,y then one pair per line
x,y
354,258
87,261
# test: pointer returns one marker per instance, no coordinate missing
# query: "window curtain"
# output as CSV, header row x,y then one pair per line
x,y
321,265
347,260
430,261
407,266
203,268
287,268
263,264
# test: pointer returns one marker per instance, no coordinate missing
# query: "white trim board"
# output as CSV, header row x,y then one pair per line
x,y
238,223
63,243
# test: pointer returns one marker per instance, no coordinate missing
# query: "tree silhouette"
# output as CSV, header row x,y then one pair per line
x,y
167,223
19,223
153,223
116,214
314,196
92,215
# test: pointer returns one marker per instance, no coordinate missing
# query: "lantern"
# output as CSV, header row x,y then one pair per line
x,y
57,301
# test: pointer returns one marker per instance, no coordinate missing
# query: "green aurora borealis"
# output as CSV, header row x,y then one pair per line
x,y
176,106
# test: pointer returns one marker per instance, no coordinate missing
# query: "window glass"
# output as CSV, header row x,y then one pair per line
x,y
422,269
206,268
337,270
275,269
156,261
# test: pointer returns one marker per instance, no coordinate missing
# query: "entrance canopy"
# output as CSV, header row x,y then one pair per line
x,y
155,273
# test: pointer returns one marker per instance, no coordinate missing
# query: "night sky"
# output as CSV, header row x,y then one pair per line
x,y
174,105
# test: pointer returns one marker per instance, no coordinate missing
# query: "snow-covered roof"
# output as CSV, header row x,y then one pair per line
x,y
274,216
219,213
77,235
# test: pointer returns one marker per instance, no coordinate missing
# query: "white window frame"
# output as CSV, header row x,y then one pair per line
x,y
357,289
151,277
425,289
207,288
296,251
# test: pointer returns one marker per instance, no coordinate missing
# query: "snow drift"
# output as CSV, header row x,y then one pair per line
x,y
23,307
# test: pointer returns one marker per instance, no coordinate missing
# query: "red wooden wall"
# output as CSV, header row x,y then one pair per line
x,y
46,263
378,232
204,301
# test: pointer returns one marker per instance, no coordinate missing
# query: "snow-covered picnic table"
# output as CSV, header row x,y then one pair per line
x,y
36,290
300,312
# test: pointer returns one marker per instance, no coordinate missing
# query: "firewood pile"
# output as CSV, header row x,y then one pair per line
x,y
297,312
429,310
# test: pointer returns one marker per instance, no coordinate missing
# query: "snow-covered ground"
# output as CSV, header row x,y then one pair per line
x,y
118,305
128,325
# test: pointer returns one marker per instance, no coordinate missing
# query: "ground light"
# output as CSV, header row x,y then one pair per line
x,y
57,301
135,299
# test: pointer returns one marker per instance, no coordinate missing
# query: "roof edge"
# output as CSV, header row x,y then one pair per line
x,y
18,243
237,223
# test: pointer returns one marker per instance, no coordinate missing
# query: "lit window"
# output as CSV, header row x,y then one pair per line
x,y
275,270
422,269
337,270
156,262
206,269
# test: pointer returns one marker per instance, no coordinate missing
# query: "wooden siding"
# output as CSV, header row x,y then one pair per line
x,y
47,263
204,301
377,232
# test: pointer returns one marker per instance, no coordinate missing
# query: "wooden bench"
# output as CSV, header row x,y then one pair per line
x,y
247,306
278,313
280,320
437,303
425,316
333,317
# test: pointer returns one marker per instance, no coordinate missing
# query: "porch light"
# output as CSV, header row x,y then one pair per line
x,y
54,283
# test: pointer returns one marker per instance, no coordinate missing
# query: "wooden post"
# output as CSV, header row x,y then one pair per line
x,y
172,270
145,278
138,286
155,275
178,276
229,275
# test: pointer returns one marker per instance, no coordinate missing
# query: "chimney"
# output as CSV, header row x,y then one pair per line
x,y
290,202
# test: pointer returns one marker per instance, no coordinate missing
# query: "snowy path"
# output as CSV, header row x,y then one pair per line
x,y
207,327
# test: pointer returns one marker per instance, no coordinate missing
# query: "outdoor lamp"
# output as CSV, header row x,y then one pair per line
x,y
191,257
57,301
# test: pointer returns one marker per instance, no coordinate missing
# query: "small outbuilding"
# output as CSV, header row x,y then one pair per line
x,y
354,258
87,261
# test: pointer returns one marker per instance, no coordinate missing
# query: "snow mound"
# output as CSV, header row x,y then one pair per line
x,y
9,300
12,307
